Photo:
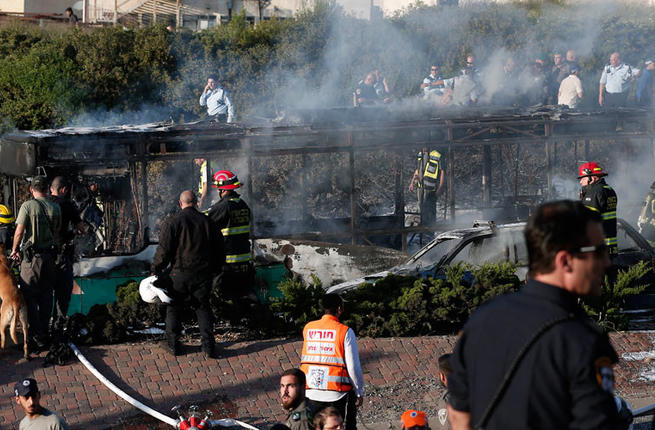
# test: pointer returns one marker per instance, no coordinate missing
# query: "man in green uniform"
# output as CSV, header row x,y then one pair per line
x,y
292,393
37,229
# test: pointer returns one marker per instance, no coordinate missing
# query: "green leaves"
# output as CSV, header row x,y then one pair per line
x,y
606,309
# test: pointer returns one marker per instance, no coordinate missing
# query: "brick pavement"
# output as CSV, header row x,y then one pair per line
x,y
243,382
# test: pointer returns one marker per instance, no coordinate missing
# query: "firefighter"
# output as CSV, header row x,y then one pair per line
x,y
600,197
232,217
7,226
429,179
646,221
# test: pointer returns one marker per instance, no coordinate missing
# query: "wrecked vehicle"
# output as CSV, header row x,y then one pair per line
x,y
487,242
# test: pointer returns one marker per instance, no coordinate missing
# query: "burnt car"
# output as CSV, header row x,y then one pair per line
x,y
487,242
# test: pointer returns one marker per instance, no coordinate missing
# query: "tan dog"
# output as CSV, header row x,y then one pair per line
x,y
13,307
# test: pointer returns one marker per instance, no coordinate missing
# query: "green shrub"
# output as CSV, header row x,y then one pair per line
x,y
606,309
300,302
407,306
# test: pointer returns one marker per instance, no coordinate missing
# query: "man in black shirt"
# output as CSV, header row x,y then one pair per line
x,y
70,223
534,359
193,248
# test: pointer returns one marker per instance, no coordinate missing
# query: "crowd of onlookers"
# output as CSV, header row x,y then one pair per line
x,y
510,83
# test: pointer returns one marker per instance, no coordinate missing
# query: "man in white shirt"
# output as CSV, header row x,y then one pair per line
x,y
615,82
330,360
36,417
570,90
217,100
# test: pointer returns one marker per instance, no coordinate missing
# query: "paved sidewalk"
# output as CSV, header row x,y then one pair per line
x,y
399,373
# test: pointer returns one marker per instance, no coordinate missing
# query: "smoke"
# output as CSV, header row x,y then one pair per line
x,y
324,72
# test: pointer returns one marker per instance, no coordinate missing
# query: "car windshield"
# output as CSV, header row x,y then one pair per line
x,y
433,255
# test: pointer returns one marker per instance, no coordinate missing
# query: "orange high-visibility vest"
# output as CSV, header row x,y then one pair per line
x,y
323,355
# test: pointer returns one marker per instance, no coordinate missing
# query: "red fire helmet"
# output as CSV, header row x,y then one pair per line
x,y
226,180
590,169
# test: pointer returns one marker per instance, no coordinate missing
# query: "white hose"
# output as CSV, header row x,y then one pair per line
x,y
119,392
230,422
225,422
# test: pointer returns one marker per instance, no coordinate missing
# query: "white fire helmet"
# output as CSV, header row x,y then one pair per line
x,y
151,294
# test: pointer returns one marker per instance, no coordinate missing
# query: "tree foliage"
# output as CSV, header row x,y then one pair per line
x,y
49,77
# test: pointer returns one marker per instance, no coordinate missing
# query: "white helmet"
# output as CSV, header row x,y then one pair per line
x,y
151,294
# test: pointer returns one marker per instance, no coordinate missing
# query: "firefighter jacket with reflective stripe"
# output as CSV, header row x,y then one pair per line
x,y
429,169
646,221
204,177
323,355
601,198
232,216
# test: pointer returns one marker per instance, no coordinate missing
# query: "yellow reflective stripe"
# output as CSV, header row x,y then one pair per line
x,y
237,258
592,208
235,230
609,215
611,241
652,243
235,199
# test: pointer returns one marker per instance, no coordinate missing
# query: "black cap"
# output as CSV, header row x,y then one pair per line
x,y
25,387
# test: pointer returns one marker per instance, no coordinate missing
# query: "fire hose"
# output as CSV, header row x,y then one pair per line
x,y
192,422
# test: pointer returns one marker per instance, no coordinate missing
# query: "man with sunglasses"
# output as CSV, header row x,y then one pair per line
x,y
433,85
600,197
534,359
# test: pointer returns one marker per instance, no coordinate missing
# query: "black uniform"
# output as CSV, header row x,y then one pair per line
x,y
368,93
565,379
600,197
191,244
70,217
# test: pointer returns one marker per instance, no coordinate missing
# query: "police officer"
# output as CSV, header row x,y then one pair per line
x,y
433,85
70,224
231,215
365,93
600,197
292,394
646,221
37,229
615,82
217,100
534,359
429,178
191,250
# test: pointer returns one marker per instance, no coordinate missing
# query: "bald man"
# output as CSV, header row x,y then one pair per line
x,y
190,251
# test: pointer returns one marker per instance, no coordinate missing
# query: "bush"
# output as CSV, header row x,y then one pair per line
x,y
406,306
606,309
300,303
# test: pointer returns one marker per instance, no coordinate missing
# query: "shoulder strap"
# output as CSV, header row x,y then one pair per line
x,y
515,364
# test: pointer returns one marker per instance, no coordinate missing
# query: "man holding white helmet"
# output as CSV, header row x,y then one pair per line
x,y
191,249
